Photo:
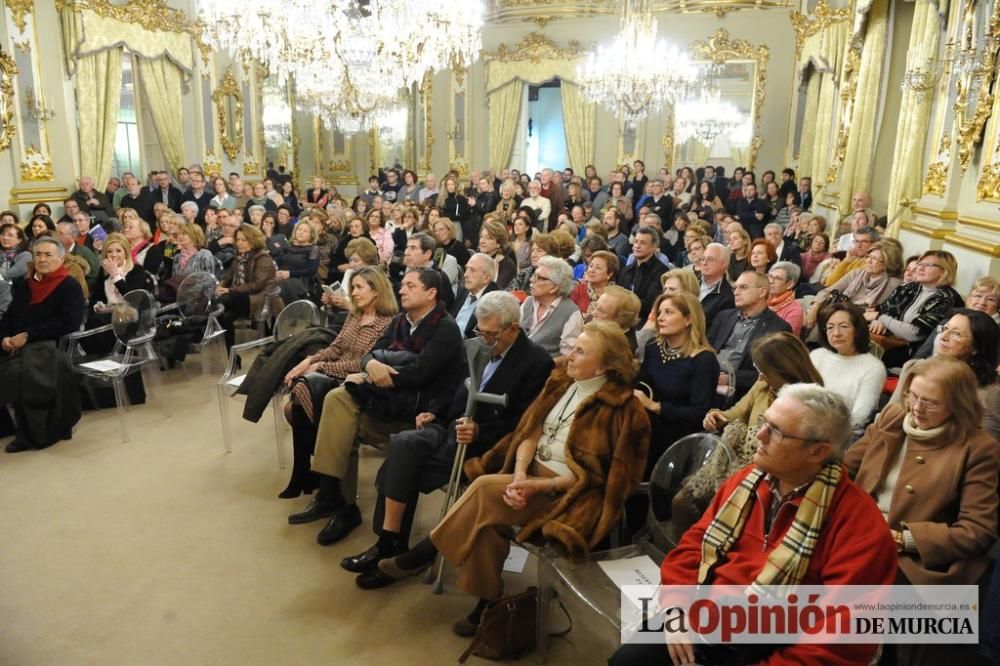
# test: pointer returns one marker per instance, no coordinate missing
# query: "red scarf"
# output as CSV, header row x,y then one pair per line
x,y
136,249
781,300
41,289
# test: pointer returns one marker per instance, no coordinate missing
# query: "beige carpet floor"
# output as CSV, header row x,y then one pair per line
x,y
167,550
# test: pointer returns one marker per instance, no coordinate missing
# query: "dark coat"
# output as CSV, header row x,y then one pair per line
x,y
174,197
719,332
258,279
606,451
746,213
644,281
790,252
58,315
137,278
719,299
460,301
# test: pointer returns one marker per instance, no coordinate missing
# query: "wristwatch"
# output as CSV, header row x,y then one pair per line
x,y
897,536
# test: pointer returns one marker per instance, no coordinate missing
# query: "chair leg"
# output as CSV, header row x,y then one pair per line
x,y
213,357
121,405
154,386
278,418
224,417
545,595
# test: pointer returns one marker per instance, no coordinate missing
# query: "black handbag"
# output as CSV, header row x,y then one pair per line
x,y
319,385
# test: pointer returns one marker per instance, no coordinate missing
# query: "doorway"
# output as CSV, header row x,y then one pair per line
x,y
541,135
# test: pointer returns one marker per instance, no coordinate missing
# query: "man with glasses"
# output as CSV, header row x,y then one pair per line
x,y
479,280
863,239
409,377
421,460
796,487
733,332
715,293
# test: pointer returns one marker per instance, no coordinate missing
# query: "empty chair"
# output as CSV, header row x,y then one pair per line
x,y
133,323
294,318
192,322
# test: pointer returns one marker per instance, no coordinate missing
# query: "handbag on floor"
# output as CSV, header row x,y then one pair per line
x,y
509,628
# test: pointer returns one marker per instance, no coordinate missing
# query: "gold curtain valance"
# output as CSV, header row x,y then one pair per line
x,y
534,60
86,32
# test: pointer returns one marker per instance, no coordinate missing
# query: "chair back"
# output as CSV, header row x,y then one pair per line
x,y
295,318
726,389
134,319
194,296
684,457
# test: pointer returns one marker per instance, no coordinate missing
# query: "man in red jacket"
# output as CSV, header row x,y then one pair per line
x,y
795,478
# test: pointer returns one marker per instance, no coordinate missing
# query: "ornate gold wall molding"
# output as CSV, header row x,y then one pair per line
x,y
943,215
719,49
426,102
848,89
33,195
975,244
807,25
543,11
924,230
36,167
19,10
535,47
210,164
230,128
988,225
8,71
937,172
978,82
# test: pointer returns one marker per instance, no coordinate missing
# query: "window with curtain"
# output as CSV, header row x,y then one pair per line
x,y
127,146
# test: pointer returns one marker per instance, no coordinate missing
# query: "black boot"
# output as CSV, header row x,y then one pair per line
x,y
303,479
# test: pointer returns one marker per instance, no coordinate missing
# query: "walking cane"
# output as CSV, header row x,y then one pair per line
x,y
479,356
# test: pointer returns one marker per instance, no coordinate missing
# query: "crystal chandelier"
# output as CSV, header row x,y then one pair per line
x,y
354,51
707,118
637,73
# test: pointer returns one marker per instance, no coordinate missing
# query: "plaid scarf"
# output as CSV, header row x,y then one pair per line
x,y
787,564
404,339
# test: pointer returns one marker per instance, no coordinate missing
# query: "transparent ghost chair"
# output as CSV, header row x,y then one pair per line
x,y
196,313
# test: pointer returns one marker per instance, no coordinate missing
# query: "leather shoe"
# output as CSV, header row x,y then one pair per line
x,y
17,446
342,524
369,559
374,579
464,628
316,509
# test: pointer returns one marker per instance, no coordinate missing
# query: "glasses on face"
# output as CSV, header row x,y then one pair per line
x,y
535,277
776,436
929,406
985,298
952,334
776,277
489,337
875,259
863,241
929,264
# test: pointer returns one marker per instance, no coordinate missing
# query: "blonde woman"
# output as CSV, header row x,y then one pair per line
x,y
118,276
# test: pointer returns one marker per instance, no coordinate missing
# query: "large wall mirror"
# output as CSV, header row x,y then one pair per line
x,y
735,81
391,138
739,70
229,111
277,115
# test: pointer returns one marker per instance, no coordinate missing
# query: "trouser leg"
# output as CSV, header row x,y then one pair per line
x,y
335,435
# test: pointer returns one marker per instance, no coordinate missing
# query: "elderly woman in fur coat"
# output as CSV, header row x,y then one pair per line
x,y
578,453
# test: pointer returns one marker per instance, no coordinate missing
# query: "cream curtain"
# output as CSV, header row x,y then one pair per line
x,y
161,81
855,173
579,121
98,95
86,32
807,139
740,155
914,117
825,52
499,72
505,112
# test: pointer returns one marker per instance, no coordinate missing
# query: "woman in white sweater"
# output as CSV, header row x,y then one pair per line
x,y
844,362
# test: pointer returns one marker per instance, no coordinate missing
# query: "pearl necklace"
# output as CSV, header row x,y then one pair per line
x,y
668,354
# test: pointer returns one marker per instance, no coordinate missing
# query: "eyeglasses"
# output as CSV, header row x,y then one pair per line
x,y
776,436
535,277
928,264
863,241
929,406
488,336
874,259
952,333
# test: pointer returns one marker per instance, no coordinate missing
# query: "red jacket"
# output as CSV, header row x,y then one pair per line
x,y
855,548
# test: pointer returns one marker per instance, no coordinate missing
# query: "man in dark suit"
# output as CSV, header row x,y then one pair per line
x,y
643,277
199,195
785,248
140,199
421,460
752,212
733,332
167,192
805,192
479,280
661,204
715,293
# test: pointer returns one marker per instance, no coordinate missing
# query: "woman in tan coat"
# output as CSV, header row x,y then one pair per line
x,y
577,454
248,282
934,473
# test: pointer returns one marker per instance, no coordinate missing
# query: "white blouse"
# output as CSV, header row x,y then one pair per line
x,y
551,449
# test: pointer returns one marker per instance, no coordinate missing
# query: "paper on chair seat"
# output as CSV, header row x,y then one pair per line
x,y
104,365
639,570
236,381
516,560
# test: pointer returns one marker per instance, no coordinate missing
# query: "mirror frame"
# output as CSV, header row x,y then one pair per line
x,y
971,115
231,137
719,49
8,72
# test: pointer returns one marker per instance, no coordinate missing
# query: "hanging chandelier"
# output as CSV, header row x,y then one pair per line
x,y
637,73
707,118
349,50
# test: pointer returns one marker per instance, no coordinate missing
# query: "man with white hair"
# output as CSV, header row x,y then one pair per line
x,y
786,249
860,202
91,199
421,460
715,293
430,188
542,206
553,191
791,517
479,280
548,316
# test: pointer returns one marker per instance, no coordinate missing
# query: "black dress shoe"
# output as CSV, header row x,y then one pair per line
x,y
374,579
18,445
369,559
317,509
342,524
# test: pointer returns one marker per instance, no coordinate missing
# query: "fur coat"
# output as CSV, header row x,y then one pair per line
x,y
606,451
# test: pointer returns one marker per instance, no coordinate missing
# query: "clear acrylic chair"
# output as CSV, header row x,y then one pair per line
x,y
133,323
584,584
726,389
293,319
195,302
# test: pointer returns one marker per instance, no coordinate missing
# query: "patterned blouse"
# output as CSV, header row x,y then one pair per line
x,y
343,356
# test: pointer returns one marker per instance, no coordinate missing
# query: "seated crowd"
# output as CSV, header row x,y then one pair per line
x,y
620,316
